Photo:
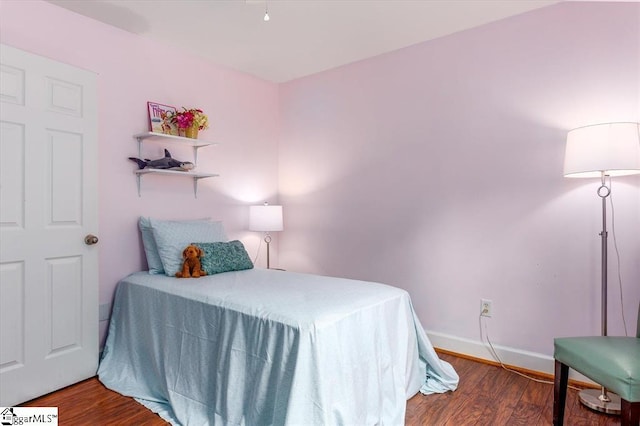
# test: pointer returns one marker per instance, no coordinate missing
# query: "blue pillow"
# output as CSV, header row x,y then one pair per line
x,y
149,243
223,257
172,237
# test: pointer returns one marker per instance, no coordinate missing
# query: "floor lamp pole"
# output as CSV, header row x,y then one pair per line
x,y
604,192
601,400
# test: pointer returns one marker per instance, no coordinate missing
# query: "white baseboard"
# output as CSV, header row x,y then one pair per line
x,y
510,356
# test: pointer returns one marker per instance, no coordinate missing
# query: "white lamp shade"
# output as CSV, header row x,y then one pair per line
x,y
265,218
612,148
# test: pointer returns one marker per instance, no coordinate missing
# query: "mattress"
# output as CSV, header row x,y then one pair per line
x,y
268,347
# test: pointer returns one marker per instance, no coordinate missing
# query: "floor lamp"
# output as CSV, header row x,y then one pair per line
x,y
266,219
601,150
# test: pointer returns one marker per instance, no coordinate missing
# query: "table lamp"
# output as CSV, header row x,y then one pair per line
x,y
266,219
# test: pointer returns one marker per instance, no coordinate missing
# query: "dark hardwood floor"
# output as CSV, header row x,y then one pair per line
x,y
487,395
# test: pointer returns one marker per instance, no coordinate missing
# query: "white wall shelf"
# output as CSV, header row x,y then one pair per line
x,y
160,137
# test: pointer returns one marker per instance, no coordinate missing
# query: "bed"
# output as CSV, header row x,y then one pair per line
x,y
269,347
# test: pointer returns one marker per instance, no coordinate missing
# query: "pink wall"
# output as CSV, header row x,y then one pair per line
x,y
438,168
131,71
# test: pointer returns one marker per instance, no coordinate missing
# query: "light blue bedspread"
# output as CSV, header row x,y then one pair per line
x,y
267,347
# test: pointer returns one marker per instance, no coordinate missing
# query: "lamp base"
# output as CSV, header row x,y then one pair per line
x,y
591,399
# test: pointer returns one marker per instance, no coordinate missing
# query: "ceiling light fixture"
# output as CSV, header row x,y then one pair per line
x,y
266,12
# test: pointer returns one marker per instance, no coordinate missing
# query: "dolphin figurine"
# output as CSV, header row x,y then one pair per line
x,y
163,163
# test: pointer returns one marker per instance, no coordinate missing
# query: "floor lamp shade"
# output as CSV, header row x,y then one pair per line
x,y
610,148
265,218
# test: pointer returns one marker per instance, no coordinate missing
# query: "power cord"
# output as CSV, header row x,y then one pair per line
x,y
255,259
615,245
495,356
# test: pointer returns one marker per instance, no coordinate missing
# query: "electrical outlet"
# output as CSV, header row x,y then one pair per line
x,y
485,308
104,312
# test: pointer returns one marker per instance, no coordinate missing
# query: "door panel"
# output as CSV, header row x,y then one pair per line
x,y
64,194
12,316
64,302
12,170
48,203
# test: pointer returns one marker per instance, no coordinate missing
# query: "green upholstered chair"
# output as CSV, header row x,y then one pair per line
x,y
613,362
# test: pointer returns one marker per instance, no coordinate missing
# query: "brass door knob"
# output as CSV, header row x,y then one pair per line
x,y
90,240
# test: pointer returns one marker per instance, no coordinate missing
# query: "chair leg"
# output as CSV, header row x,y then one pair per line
x,y
629,413
560,381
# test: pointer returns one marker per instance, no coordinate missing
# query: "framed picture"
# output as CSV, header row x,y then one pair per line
x,y
157,113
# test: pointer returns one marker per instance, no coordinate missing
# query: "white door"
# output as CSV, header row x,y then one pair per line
x,y
48,204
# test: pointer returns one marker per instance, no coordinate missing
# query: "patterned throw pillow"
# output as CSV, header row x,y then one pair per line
x,y
223,257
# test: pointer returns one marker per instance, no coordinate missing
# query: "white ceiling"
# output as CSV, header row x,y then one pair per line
x,y
303,36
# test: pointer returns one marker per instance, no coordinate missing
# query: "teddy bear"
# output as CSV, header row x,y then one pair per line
x,y
191,267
